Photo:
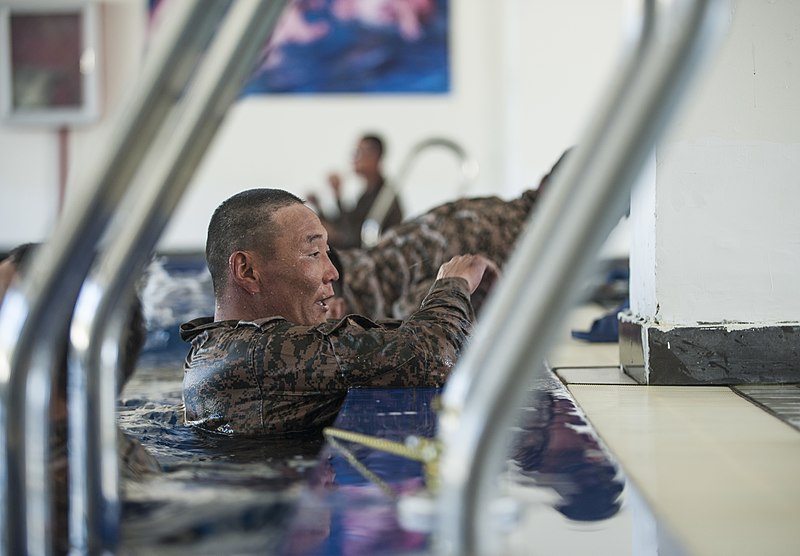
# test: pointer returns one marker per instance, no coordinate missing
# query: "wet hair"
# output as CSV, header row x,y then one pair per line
x,y
375,142
243,222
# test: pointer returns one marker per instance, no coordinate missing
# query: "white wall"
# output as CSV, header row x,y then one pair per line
x,y
125,31
29,156
726,232
642,285
525,76
28,185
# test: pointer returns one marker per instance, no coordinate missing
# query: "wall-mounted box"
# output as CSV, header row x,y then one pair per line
x,y
49,63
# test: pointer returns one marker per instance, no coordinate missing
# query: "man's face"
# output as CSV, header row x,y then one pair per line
x,y
297,276
365,159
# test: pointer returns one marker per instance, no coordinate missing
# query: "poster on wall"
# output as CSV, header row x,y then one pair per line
x,y
356,46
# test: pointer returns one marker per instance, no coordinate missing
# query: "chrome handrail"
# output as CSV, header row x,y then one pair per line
x,y
35,315
587,197
373,223
99,320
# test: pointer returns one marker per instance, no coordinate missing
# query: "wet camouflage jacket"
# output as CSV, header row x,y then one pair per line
x,y
272,376
391,278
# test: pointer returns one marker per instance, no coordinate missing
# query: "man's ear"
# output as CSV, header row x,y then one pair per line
x,y
243,271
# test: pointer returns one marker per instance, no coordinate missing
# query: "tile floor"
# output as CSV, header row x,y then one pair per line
x,y
716,464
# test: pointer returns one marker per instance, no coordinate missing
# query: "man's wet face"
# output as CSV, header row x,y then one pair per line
x,y
298,273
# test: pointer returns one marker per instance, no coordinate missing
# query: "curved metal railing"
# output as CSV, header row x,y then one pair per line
x,y
35,315
587,197
102,319
373,223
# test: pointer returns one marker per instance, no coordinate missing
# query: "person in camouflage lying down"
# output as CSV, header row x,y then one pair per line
x,y
391,278
270,361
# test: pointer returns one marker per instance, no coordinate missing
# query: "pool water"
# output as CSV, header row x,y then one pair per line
x,y
216,494
566,490
303,496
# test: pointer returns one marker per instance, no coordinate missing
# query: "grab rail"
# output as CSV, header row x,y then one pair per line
x,y
35,315
373,223
587,197
99,320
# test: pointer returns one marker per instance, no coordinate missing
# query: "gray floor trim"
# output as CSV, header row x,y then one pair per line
x,y
782,400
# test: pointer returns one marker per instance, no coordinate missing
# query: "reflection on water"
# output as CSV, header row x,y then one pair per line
x,y
346,513
564,482
215,491
554,447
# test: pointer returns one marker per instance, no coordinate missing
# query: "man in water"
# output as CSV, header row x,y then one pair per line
x,y
270,360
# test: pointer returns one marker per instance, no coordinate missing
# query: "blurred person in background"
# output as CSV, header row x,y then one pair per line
x,y
344,229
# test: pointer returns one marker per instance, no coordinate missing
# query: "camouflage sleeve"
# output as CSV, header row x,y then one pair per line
x,y
419,352
356,351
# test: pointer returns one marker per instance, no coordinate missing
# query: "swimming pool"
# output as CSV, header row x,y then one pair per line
x,y
301,495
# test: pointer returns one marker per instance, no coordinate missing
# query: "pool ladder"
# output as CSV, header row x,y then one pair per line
x,y
159,138
587,197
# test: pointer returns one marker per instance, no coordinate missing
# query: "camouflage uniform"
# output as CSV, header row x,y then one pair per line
x,y
272,376
391,278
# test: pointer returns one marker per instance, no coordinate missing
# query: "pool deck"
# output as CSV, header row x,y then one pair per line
x,y
718,469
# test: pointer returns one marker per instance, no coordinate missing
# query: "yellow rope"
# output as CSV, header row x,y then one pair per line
x,y
361,468
415,448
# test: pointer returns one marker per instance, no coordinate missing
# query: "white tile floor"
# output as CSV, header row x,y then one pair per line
x,y
719,471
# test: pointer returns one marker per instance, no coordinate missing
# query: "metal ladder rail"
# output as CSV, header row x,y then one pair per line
x,y
35,315
100,313
371,228
587,198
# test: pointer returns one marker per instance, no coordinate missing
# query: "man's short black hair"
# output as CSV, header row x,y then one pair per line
x,y
243,222
375,142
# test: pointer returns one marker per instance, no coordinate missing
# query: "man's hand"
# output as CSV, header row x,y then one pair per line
x,y
475,269
336,184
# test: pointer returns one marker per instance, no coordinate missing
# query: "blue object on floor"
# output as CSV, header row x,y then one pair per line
x,y
604,329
